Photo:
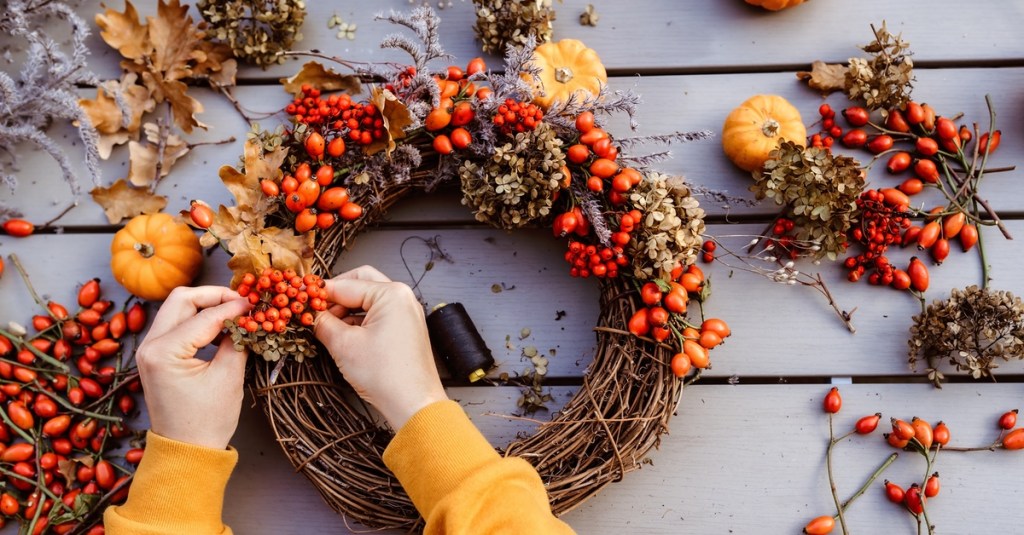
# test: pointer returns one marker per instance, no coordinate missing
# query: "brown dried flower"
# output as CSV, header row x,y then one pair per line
x,y
516,185
972,328
670,234
500,23
819,191
256,30
885,80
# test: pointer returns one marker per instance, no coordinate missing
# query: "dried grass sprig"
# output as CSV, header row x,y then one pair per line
x,y
45,89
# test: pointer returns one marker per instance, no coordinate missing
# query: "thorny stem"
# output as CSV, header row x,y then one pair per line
x,y
819,284
28,282
867,484
831,479
46,358
226,91
63,213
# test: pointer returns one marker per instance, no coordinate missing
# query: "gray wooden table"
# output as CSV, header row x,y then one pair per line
x,y
746,449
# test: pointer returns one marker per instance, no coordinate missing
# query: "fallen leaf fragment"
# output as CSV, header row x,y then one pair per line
x,y
824,77
396,117
122,201
322,78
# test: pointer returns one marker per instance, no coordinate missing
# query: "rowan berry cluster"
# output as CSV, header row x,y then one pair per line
x,y
599,261
359,122
281,299
513,117
881,218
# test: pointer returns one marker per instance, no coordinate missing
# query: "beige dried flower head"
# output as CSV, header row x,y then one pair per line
x,y
886,79
973,328
516,185
670,233
294,343
256,30
819,191
500,23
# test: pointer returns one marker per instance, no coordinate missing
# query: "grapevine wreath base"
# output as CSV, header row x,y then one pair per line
x,y
606,429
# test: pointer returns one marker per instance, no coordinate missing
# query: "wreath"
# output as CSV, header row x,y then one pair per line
x,y
527,148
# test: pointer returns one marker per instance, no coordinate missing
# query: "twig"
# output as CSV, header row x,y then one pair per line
x,y
847,317
63,213
226,91
860,492
831,479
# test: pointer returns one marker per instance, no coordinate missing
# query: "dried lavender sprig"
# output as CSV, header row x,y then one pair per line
x,y
664,139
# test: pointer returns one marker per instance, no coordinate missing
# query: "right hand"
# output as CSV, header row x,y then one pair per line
x,y
385,355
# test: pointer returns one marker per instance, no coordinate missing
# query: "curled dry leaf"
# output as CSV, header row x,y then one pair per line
x,y
396,117
108,117
145,157
322,78
824,77
165,51
252,251
122,201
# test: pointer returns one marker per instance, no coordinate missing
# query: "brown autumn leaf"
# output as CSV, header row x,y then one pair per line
x,y
824,77
144,157
122,201
124,32
250,204
252,251
107,116
166,50
322,78
396,117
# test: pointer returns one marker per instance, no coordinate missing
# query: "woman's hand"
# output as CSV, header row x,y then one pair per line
x,y
189,399
385,354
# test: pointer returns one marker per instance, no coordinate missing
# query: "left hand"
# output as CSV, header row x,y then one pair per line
x,y
189,399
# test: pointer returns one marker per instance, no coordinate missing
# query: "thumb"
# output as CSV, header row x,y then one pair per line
x,y
334,333
228,361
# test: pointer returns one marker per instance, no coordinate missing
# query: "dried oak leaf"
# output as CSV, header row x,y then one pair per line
x,y
107,116
250,203
824,77
252,251
324,79
396,117
164,51
121,201
144,157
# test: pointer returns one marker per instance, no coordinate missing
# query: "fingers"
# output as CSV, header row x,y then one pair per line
x,y
330,330
229,361
368,273
199,330
355,293
183,303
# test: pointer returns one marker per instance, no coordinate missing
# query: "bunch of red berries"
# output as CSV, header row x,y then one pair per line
x,y
882,216
599,261
281,298
363,122
514,117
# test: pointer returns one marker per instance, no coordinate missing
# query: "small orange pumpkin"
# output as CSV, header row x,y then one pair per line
x,y
756,127
567,67
775,5
154,254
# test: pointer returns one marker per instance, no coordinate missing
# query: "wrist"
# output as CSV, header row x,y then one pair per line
x,y
398,415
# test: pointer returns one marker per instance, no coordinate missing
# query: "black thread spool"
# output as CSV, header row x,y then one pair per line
x,y
457,341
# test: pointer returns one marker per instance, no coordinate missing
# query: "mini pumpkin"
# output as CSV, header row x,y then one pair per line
x,y
154,254
567,67
755,128
775,5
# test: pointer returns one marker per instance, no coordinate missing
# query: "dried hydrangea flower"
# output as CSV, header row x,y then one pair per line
x,y
256,30
973,328
670,234
818,189
515,187
500,23
885,80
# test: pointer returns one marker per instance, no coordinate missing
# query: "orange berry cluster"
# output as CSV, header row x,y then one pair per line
x,y
362,121
281,298
448,121
586,260
315,203
513,117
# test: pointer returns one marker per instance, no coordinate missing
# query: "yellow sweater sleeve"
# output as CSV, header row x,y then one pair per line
x,y
460,484
178,488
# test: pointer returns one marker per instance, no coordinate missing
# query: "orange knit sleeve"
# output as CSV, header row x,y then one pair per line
x,y
460,484
178,488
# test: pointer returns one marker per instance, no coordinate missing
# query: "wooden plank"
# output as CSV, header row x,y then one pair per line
x,y
670,103
710,35
747,458
531,262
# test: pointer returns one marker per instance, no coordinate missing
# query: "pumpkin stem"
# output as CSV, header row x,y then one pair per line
x,y
144,249
563,75
771,128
